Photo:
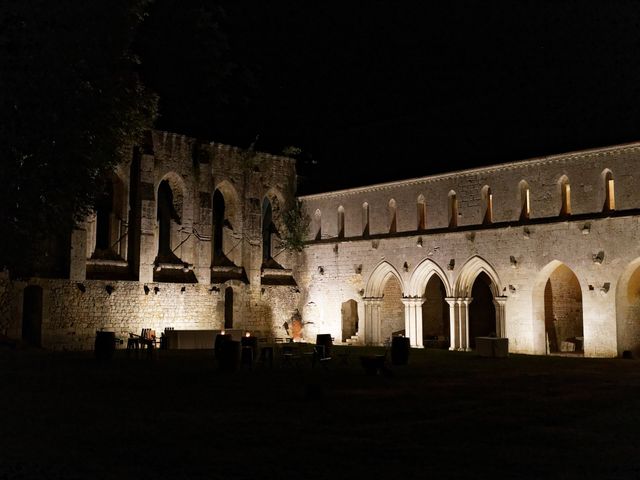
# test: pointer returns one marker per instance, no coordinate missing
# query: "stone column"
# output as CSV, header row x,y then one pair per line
x,y
464,322
413,320
501,324
453,323
371,333
148,219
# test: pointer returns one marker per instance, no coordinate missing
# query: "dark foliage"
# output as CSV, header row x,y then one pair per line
x,y
70,100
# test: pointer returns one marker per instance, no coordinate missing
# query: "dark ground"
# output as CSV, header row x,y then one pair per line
x,y
446,415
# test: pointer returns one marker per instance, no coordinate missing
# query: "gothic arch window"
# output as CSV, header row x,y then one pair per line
x,y
218,226
168,215
453,209
609,192
487,203
525,201
393,221
365,219
108,235
267,230
422,213
340,221
565,195
318,223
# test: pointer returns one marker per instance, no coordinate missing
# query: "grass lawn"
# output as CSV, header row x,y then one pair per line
x,y
445,415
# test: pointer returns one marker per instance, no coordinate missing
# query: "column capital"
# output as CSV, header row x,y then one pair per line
x,y
500,300
413,301
372,300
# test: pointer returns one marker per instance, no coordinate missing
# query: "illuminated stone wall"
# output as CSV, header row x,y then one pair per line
x,y
597,244
519,243
184,288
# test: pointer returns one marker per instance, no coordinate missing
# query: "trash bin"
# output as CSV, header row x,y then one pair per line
x,y
324,339
399,350
105,345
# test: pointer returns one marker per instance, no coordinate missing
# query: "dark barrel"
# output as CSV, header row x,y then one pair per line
x,y
249,351
105,345
324,339
217,346
251,342
399,350
229,356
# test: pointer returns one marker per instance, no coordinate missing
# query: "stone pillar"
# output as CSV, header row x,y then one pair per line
x,y
453,323
464,322
78,262
413,320
501,324
371,333
148,219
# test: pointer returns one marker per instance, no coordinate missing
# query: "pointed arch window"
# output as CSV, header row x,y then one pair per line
x,y
365,219
393,221
167,215
487,201
340,221
565,195
318,222
609,192
453,209
218,225
267,230
422,213
525,201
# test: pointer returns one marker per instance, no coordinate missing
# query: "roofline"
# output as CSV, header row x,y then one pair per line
x,y
500,166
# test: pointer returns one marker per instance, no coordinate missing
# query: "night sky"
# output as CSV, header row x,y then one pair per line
x,y
379,90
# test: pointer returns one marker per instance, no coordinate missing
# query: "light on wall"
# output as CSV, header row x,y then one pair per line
x,y
598,257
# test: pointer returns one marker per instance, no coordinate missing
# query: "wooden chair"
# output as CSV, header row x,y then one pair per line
x,y
148,338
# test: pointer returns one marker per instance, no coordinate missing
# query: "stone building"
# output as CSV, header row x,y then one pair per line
x,y
185,236
543,252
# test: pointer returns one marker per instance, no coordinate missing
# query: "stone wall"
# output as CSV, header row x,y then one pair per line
x,y
518,254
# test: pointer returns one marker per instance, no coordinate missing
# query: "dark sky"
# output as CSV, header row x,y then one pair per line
x,y
375,91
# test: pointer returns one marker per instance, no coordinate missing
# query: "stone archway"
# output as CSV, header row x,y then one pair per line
x,y
628,309
557,311
349,316
469,322
436,328
426,300
384,281
482,311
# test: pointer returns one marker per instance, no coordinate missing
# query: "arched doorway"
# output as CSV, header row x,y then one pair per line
x,y
628,310
435,314
391,310
228,307
563,312
32,315
349,314
482,311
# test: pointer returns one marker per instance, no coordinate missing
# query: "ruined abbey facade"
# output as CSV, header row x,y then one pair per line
x,y
544,252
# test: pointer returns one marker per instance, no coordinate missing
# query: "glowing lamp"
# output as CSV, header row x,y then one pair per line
x,y
222,332
247,334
